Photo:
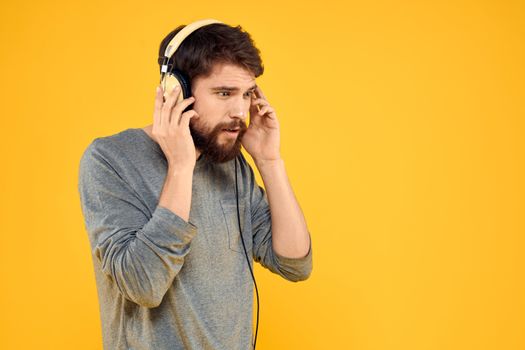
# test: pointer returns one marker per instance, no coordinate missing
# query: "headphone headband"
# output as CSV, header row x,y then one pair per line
x,y
180,36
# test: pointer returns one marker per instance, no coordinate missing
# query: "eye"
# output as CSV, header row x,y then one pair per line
x,y
223,92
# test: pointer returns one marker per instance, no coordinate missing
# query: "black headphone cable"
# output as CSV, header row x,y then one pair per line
x,y
246,254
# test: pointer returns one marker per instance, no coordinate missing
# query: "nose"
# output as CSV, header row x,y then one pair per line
x,y
238,114
239,109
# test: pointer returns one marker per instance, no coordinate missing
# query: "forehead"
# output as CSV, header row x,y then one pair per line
x,y
229,75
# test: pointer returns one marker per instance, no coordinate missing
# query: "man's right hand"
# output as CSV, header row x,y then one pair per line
x,y
172,131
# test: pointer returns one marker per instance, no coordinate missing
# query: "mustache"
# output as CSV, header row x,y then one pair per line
x,y
239,125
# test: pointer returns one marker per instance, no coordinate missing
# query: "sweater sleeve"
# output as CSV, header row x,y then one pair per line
x,y
141,252
292,269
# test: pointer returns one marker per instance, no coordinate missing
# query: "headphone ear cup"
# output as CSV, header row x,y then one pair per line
x,y
184,82
177,78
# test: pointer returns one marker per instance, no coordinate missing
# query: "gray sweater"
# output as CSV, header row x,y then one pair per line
x,y
162,282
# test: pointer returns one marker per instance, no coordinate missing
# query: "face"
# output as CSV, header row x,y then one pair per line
x,y
222,101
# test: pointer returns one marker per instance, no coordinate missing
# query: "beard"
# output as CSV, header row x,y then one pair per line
x,y
207,141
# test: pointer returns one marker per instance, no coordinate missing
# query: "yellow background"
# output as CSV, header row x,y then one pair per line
x,y
402,129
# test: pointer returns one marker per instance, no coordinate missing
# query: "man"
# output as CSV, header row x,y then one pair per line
x,y
160,206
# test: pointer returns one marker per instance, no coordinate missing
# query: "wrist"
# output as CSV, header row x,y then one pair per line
x,y
268,162
175,170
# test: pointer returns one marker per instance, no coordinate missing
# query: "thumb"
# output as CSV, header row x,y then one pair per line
x,y
185,118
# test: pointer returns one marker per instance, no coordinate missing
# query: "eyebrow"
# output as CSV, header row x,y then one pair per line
x,y
231,88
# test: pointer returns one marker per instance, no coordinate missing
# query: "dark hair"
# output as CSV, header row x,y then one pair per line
x,y
211,44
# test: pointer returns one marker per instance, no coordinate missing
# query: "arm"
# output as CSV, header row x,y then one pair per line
x,y
289,232
290,253
291,268
140,251
176,193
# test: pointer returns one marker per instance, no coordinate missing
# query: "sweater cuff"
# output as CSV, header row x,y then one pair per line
x,y
296,261
164,224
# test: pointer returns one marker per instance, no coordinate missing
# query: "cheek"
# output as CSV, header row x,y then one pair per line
x,y
199,124
202,123
205,106
214,111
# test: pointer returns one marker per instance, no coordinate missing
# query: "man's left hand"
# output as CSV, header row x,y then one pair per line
x,y
262,138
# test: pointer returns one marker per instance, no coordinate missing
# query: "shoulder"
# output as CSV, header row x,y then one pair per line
x,y
106,150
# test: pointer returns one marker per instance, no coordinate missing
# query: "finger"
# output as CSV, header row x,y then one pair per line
x,y
173,96
255,105
168,106
258,104
175,113
174,92
259,92
263,110
260,101
255,118
270,113
158,106
185,118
